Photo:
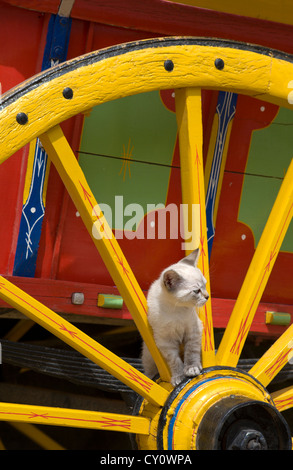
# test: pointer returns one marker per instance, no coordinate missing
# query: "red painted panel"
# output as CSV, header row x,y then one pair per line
x,y
234,243
166,18
22,39
76,258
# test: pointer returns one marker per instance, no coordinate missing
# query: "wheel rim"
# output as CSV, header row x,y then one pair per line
x,y
36,108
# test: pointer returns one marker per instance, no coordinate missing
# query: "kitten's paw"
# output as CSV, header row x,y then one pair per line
x,y
176,379
192,371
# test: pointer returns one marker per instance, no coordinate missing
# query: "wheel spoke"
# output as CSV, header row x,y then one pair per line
x,y
257,275
283,399
81,342
61,154
274,359
36,435
189,118
74,418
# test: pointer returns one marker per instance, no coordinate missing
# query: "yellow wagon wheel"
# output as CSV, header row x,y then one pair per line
x,y
223,407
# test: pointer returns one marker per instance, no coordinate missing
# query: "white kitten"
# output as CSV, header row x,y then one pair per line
x,y
172,315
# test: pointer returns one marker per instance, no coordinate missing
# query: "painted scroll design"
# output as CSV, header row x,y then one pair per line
x,y
33,210
226,108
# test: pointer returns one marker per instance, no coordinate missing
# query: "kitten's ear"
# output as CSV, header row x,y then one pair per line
x,y
171,279
192,258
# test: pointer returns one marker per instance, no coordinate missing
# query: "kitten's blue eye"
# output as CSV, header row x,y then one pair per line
x,y
197,291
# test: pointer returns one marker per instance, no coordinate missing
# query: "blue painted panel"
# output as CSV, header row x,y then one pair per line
x,y
33,210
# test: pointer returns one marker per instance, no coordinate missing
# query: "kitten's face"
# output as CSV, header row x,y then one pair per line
x,y
186,283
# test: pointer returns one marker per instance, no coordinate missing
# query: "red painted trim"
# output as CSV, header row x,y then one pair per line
x,y
57,296
46,6
222,309
166,18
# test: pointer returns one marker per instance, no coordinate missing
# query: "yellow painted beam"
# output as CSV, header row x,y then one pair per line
x,y
274,359
74,418
36,435
189,119
283,399
19,330
257,275
62,156
81,342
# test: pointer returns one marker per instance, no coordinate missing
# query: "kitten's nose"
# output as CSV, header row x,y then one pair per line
x,y
206,295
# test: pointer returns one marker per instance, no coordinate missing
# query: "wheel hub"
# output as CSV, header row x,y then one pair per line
x,y
239,423
223,409
246,439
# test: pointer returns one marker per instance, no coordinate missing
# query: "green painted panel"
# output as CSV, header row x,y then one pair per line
x,y
137,131
270,154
